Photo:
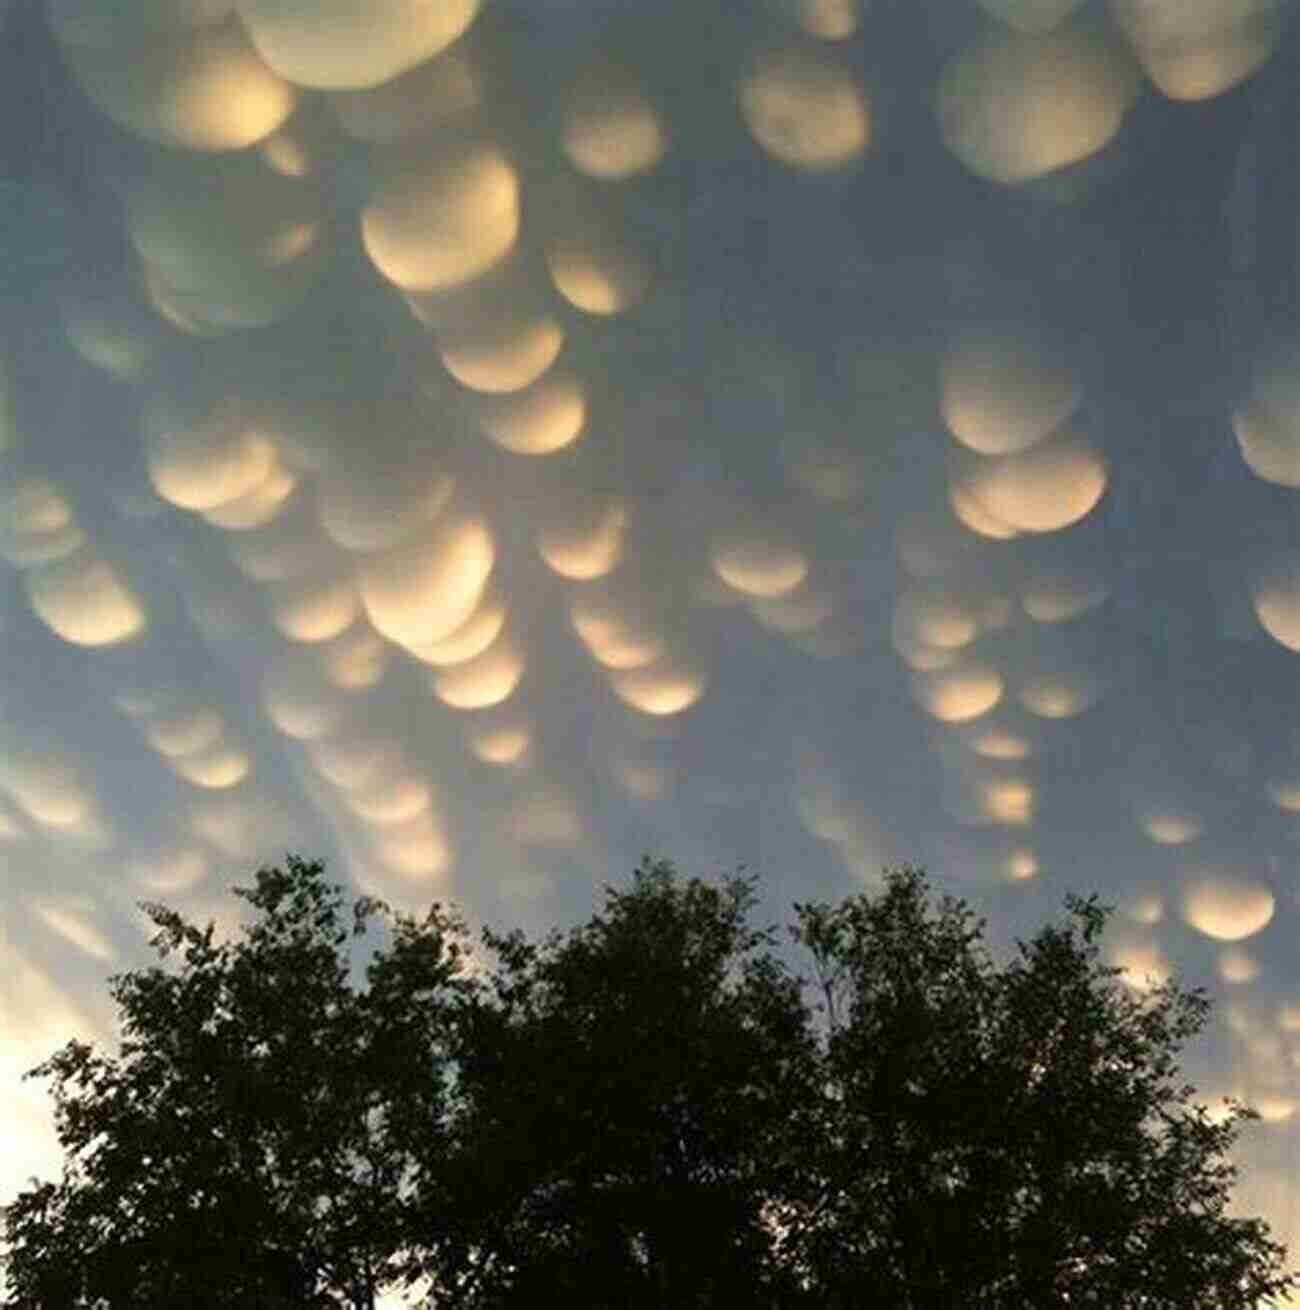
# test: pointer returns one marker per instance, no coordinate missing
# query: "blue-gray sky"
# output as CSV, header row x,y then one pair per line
x,y
480,443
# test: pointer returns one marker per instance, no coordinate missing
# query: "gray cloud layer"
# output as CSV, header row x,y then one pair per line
x,y
482,446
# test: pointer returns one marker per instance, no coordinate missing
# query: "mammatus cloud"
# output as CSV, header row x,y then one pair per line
x,y
479,442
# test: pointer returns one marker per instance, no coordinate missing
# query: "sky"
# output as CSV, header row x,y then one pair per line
x,y
480,442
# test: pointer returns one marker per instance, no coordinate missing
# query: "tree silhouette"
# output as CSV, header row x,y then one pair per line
x,y
249,1145
644,1111
1010,1135
630,1088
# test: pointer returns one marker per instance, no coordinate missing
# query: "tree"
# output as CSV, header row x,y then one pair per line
x,y
251,1144
645,1111
629,1090
1015,1135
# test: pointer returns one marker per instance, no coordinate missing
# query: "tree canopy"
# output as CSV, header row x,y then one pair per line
x,y
648,1110
250,1144
629,1091
1012,1135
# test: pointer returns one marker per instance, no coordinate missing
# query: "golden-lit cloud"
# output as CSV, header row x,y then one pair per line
x,y
660,689
203,465
83,599
539,419
314,608
1001,745
471,639
1275,1108
595,272
1059,595
202,89
761,566
1194,49
440,218
610,129
1001,392
258,507
614,637
971,513
922,658
1228,907
804,108
934,617
346,44
215,769
485,680
1009,801
1143,964
1238,968
1267,421
1171,827
1058,695
958,695
1022,865
419,849
37,524
1048,487
421,592
375,514
356,659
589,544
288,153
53,792
503,353
395,800
1276,597
184,732
1014,106
502,746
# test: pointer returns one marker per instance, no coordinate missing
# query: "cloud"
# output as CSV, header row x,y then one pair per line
x,y
478,447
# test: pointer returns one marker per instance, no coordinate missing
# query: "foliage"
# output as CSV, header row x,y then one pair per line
x,y
1014,1135
249,1145
648,1110
628,1088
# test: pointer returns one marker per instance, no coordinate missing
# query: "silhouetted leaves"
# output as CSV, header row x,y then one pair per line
x,y
629,1086
648,1110
1010,1135
250,1143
